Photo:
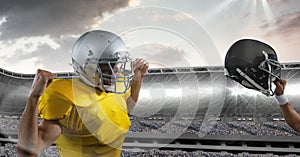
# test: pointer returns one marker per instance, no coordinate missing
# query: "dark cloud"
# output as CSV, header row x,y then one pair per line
x,y
52,17
51,59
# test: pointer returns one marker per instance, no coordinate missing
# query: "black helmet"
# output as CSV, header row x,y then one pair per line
x,y
253,64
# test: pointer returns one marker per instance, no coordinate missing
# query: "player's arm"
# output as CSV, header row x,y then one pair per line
x,y
33,138
140,68
290,115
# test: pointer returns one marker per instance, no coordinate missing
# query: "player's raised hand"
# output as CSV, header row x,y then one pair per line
x,y
280,86
41,81
140,66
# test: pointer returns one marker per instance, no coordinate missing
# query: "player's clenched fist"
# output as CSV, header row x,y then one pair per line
x,y
140,66
280,86
41,80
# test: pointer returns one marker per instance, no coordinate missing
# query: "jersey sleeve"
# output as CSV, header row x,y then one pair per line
x,y
53,105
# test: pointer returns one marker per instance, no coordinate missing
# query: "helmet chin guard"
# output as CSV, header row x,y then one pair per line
x,y
101,60
253,64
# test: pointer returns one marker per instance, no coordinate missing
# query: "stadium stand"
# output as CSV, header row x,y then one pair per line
x,y
176,123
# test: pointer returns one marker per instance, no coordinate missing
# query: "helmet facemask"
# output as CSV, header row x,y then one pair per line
x,y
112,74
272,69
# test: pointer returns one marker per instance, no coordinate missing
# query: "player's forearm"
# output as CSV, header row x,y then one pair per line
x,y
28,128
136,87
291,116
135,91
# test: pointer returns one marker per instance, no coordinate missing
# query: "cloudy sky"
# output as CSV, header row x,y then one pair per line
x,y
168,33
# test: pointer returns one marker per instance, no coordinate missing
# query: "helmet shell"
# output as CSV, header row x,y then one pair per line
x,y
256,60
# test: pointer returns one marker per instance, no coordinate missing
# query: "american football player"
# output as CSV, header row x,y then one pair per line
x,y
85,115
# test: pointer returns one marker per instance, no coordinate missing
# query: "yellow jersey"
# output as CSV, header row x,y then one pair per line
x,y
92,124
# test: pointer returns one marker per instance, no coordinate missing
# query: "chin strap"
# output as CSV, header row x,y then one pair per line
x,y
88,82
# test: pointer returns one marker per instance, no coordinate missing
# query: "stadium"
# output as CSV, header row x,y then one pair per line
x,y
185,111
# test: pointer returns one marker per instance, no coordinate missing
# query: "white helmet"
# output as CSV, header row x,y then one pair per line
x,y
102,60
